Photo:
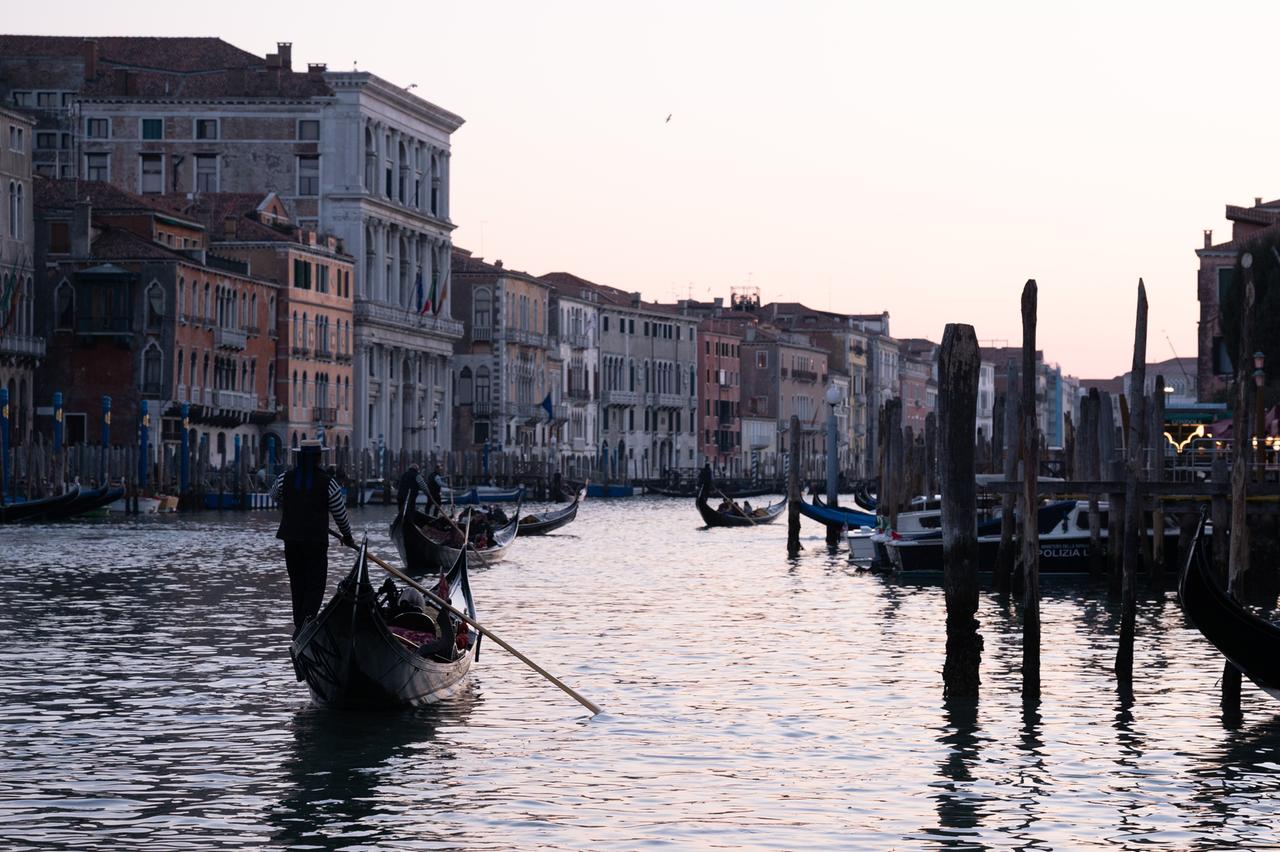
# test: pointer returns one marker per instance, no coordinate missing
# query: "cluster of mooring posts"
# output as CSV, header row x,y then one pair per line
x,y
1124,467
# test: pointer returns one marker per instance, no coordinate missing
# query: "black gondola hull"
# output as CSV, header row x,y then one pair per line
x,y
553,521
714,518
37,510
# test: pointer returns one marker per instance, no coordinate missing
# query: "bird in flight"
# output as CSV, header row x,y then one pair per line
x,y
668,121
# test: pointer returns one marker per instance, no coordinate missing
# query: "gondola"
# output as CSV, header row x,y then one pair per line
x,y
479,494
857,506
86,501
35,510
836,516
357,655
1252,644
715,518
690,489
424,550
541,525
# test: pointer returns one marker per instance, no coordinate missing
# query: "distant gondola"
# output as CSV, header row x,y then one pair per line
x,y
543,524
86,501
715,518
690,489
424,549
1252,644
479,494
357,654
36,510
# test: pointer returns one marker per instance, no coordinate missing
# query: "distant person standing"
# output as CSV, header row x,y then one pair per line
x,y
308,495
410,485
435,490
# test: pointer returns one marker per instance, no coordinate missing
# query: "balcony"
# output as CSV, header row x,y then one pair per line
x,y
234,401
229,338
482,408
482,333
620,397
343,357
324,414
669,400
324,353
579,394
560,413
401,318
252,330
18,344
300,351
576,340
524,337
804,375
181,394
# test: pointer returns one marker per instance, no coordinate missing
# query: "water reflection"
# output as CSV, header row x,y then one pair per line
x,y
960,807
342,770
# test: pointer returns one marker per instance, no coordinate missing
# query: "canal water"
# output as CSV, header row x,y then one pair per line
x,y
147,701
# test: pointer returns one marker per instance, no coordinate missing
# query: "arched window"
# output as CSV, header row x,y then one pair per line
x,y
253,311
208,305
306,391
482,306
64,306
155,306
13,209
179,371
293,397
151,369
464,386
192,370
18,228
302,335
271,313
180,293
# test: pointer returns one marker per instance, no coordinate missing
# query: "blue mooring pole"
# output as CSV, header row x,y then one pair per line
x,y
144,426
184,463
57,422
106,441
4,445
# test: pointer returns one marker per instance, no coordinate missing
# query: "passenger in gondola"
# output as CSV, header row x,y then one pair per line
x,y
307,497
410,485
725,506
746,508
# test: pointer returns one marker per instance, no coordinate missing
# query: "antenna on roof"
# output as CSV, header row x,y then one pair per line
x,y
1182,366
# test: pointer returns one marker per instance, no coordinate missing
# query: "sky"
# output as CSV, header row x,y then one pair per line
x,y
922,158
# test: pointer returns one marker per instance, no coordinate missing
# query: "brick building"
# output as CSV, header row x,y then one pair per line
x,y
720,394
140,308
783,374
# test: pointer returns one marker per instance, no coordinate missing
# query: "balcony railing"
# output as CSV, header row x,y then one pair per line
x,y
668,400
324,414
482,408
576,340
804,375
152,390
324,353
234,400
301,351
252,330
620,397
342,357
579,393
181,394
524,337
20,344
561,412
229,338
399,317
482,333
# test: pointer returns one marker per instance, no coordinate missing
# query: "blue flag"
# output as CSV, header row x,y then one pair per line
x,y
546,405
422,307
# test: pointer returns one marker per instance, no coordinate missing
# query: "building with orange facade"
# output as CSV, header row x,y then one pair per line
x,y
313,330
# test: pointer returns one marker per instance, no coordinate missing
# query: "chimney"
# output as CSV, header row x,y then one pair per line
x,y
317,67
229,228
1208,238
635,299
284,49
498,263
89,55
81,229
1257,201
273,60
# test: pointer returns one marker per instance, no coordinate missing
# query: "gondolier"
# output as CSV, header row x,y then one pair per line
x,y
307,496
435,491
410,485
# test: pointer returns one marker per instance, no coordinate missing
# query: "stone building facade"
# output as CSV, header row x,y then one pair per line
x,y
575,334
21,348
720,395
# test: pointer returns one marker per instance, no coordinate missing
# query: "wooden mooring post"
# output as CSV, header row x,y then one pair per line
x,y
1134,528
1156,444
1027,505
1003,579
1091,457
959,362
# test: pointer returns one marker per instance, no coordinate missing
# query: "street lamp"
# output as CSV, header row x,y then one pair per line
x,y
833,449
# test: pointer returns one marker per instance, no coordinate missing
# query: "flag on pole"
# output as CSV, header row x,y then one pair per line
x,y
424,306
438,301
546,406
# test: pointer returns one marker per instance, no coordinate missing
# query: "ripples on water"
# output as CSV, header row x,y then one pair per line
x,y
146,697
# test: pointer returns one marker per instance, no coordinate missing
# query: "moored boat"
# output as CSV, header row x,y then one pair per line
x,y
740,517
366,650
88,500
1250,642
477,495
543,524
837,516
36,510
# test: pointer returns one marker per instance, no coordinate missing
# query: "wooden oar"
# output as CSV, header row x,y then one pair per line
x,y
732,503
431,596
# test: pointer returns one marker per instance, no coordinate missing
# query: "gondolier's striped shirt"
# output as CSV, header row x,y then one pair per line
x,y
337,506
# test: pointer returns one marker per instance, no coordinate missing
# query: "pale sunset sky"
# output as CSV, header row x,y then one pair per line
x,y
920,158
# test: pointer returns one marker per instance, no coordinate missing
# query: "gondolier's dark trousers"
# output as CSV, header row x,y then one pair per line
x,y
308,565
